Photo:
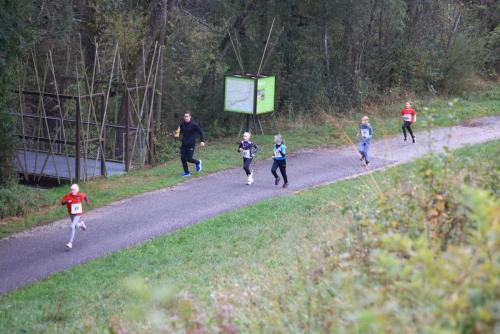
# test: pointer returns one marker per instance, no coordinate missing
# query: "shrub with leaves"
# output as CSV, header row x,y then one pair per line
x,y
17,200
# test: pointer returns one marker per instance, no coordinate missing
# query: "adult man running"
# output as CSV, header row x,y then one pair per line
x,y
189,130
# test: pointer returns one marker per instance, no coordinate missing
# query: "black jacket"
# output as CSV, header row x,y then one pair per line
x,y
189,132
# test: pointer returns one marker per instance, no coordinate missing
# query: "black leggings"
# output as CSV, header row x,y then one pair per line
x,y
187,153
246,165
281,164
407,126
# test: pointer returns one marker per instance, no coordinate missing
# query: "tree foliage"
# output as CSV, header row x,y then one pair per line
x,y
336,52
15,32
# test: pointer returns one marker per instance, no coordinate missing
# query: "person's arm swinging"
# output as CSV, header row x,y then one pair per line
x,y
201,133
283,150
87,200
178,131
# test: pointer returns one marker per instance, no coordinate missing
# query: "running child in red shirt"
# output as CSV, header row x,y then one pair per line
x,y
74,203
409,116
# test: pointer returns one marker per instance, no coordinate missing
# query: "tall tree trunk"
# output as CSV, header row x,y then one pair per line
x,y
85,15
155,33
168,5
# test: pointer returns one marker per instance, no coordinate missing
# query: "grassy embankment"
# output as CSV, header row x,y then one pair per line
x,y
409,249
38,207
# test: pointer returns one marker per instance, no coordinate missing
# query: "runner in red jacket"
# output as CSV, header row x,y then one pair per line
x,y
409,116
74,204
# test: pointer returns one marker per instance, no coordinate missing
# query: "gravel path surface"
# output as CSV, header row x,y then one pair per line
x,y
32,255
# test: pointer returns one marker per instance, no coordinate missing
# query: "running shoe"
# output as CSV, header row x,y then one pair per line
x,y
82,226
277,181
186,174
285,185
250,179
367,162
198,166
69,245
413,139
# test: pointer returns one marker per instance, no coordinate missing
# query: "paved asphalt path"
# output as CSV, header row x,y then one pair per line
x,y
32,255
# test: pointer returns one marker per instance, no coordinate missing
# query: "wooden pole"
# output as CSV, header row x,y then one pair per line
x,y
151,121
140,112
271,48
25,169
61,117
103,141
265,48
127,129
51,150
108,92
255,90
150,128
240,61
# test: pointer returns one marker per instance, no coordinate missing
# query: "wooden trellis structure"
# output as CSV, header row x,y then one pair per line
x,y
84,123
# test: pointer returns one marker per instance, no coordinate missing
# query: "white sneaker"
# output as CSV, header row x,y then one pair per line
x,y
250,179
82,225
69,245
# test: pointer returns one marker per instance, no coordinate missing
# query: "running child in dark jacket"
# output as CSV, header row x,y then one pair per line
x,y
248,151
365,134
279,157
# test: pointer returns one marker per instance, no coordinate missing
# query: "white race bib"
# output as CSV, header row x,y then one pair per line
x,y
365,133
76,208
245,153
407,117
277,153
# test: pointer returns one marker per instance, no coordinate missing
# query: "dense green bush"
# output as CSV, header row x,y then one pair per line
x,y
167,147
18,200
429,202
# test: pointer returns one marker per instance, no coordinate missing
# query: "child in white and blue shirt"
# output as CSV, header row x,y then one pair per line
x,y
279,157
365,137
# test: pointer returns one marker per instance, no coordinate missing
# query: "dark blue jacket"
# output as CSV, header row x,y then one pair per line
x,y
189,132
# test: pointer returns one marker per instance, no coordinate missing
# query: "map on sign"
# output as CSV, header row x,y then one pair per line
x,y
239,95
